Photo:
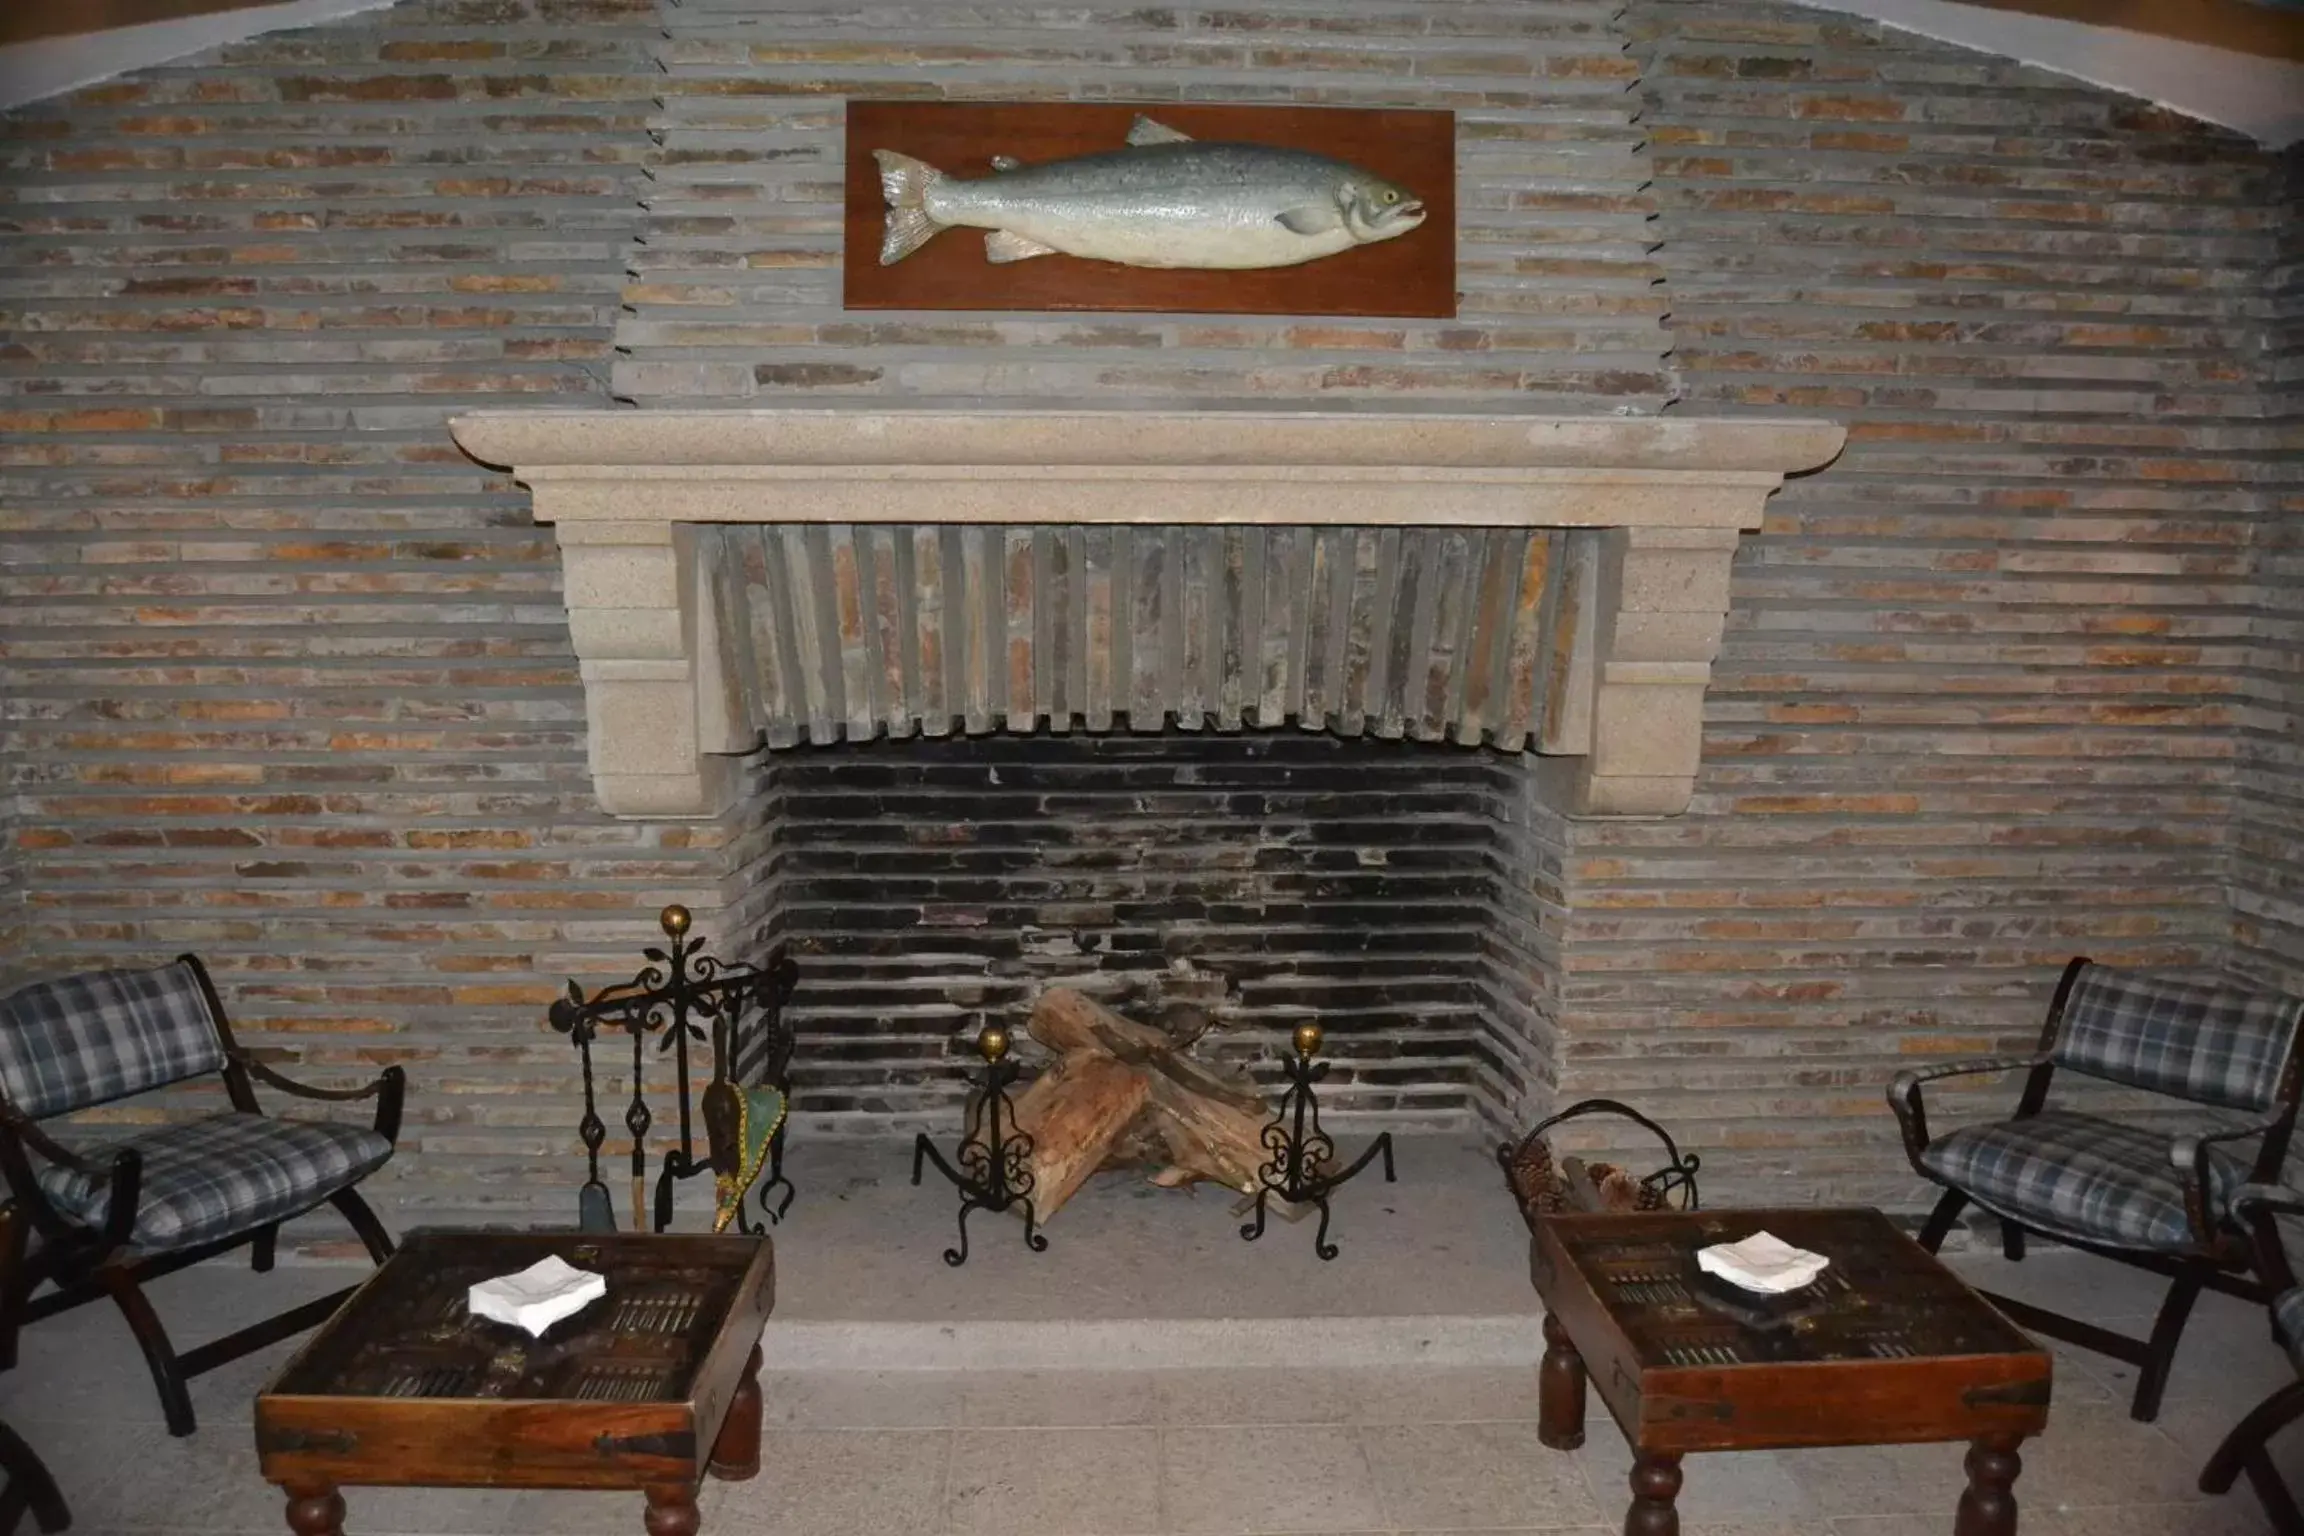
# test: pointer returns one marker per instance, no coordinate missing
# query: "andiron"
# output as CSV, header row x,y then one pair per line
x,y
1302,1153
994,1157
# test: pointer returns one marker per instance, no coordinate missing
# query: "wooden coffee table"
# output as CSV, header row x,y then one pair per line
x,y
648,1388
1888,1347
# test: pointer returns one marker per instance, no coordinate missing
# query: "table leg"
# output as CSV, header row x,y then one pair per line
x,y
1559,1390
736,1453
1988,1503
314,1508
1655,1484
672,1509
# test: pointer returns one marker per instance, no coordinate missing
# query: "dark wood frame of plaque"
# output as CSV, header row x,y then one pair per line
x,y
1412,276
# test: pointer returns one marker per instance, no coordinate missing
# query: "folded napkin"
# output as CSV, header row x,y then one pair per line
x,y
1762,1262
537,1297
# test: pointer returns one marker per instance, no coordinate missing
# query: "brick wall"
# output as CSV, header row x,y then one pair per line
x,y
288,679
736,293
1977,708
289,683
2268,869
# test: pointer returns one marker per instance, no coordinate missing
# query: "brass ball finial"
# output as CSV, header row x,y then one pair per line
x,y
675,920
992,1040
1308,1038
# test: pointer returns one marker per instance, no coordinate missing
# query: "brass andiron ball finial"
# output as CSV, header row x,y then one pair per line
x,y
1308,1038
675,920
992,1041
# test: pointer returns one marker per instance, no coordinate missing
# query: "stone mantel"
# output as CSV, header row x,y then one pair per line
x,y
627,491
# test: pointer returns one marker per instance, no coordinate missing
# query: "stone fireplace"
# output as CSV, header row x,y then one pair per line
x,y
1274,715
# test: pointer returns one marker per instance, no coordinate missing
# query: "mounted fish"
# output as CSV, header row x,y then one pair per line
x,y
1166,200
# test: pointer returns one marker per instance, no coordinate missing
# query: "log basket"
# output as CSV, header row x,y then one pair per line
x,y
1543,1184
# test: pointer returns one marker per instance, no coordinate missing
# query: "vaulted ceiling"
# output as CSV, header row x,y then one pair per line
x,y
2235,62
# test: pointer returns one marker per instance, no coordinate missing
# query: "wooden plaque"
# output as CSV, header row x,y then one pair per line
x,y
1413,275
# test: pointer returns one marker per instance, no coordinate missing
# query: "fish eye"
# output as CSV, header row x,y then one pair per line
x,y
1392,197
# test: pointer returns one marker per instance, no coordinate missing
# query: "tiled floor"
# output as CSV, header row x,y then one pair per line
x,y
1090,1453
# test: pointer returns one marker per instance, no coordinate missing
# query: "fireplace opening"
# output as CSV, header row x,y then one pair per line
x,y
1396,893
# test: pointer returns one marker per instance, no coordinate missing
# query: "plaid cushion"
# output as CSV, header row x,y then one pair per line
x,y
2206,1043
2075,1175
2288,1317
101,1035
226,1174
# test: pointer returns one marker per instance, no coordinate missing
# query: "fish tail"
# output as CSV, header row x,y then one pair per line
x,y
905,183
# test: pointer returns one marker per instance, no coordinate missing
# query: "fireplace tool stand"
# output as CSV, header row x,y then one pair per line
x,y
995,1158
1302,1153
684,997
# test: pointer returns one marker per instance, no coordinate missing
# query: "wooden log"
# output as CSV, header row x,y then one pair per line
x,y
1066,1020
1208,1136
1073,1111
1072,1021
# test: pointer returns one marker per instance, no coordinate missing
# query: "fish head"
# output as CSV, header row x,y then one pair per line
x,y
1374,209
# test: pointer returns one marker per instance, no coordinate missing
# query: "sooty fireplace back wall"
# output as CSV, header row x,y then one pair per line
x,y
933,886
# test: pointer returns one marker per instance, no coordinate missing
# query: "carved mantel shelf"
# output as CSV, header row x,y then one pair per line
x,y
632,495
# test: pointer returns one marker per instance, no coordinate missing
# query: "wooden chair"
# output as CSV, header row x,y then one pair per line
x,y
2245,1448
30,1488
2124,1191
111,1218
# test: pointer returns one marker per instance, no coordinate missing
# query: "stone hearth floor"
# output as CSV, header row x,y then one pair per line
x,y
1377,1447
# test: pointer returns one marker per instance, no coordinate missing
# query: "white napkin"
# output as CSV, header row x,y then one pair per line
x,y
537,1297
1762,1262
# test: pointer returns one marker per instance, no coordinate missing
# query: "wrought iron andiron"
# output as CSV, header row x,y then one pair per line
x,y
676,996
995,1158
1302,1153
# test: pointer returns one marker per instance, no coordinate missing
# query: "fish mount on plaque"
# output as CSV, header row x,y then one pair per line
x,y
1174,208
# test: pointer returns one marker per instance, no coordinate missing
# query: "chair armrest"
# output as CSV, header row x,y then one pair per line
x,y
389,1088
1904,1092
121,1176
2279,1198
2186,1154
29,1132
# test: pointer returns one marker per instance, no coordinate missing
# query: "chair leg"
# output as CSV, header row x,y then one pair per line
x,y
1940,1219
263,1250
159,1354
2248,1437
2167,1332
2272,1492
364,1222
29,1487
2011,1241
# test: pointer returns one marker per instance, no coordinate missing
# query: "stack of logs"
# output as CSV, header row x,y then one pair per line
x,y
1120,1093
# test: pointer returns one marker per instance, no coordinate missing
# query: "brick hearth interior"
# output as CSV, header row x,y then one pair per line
x,y
289,680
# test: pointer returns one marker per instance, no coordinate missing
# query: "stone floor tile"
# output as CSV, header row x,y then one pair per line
x,y
860,1399
2214,1518
1054,1482
1483,1475
581,1513
1234,1480
1059,1399
1427,1395
2075,1283
2101,1456
1197,1398
818,1482
1751,1486
1881,1479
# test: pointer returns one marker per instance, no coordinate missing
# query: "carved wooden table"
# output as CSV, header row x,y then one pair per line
x,y
1888,1347
648,1388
